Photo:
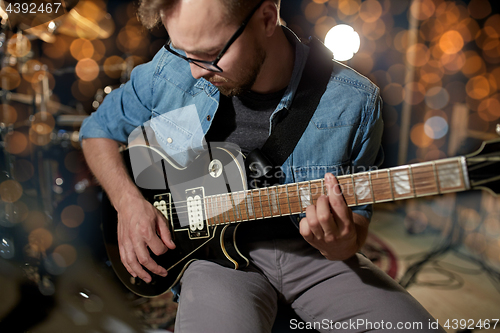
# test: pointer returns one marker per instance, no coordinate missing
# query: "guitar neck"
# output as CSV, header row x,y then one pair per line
x,y
398,183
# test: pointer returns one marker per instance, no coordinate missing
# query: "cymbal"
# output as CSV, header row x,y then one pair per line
x,y
42,32
84,20
30,100
75,24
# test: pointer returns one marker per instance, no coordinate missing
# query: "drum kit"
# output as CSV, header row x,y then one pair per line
x,y
45,121
47,128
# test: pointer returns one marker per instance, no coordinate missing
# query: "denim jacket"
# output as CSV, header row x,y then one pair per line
x,y
344,134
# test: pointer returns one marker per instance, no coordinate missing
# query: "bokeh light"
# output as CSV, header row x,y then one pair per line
x,y
370,11
418,55
43,123
451,42
65,255
9,78
16,143
8,114
343,41
437,98
81,48
10,191
87,69
23,170
436,127
419,137
40,239
19,45
72,216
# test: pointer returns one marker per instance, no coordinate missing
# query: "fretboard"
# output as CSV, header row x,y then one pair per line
x,y
404,182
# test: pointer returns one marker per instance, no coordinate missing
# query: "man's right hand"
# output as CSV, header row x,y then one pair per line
x,y
142,226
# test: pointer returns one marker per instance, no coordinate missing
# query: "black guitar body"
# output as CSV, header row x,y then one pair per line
x,y
218,171
204,202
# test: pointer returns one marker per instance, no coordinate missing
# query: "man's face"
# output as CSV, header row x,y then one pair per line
x,y
201,29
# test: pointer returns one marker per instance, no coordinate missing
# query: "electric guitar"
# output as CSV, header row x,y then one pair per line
x,y
205,202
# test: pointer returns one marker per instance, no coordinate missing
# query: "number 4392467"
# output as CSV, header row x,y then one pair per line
x,y
471,324
33,8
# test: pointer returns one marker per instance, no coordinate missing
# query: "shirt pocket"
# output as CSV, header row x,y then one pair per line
x,y
174,139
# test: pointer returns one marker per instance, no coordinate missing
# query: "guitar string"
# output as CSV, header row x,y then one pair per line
x,y
293,199
220,206
430,177
227,201
384,177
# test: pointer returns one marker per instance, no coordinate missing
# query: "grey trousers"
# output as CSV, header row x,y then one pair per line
x,y
330,296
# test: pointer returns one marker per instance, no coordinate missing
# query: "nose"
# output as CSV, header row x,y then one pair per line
x,y
197,72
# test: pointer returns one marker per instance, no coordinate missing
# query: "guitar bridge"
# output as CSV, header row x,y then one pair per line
x,y
198,228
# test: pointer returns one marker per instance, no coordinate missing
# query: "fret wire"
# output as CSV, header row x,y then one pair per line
x,y
310,193
253,205
238,207
288,199
246,204
242,210
460,167
227,210
323,188
278,200
354,190
206,218
261,208
219,208
212,201
230,208
224,211
207,210
215,209
371,186
390,182
234,208
298,196
410,172
465,174
269,202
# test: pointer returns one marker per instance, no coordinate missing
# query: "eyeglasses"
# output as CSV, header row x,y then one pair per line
x,y
212,65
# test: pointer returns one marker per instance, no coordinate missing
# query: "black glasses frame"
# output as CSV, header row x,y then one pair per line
x,y
212,65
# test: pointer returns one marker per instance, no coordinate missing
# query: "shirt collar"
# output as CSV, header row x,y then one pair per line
x,y
301,53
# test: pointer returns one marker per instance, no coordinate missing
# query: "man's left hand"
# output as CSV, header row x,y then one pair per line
x,y
329,225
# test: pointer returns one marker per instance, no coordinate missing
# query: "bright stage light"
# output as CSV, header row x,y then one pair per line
x,y
343,41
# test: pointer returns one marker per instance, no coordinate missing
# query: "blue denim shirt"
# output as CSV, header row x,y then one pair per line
x,y
344,134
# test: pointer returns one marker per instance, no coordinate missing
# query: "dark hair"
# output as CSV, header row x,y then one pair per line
x,y
149,10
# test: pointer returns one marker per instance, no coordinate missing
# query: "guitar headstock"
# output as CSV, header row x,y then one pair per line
x,y
484,167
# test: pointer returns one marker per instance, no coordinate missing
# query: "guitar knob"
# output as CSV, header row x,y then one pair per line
x,y
498,129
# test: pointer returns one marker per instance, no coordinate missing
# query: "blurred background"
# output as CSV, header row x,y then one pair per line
x,y
437,63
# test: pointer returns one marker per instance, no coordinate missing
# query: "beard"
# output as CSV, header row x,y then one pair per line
x,y
245,79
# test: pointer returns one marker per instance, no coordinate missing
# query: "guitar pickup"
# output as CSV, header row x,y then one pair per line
x,y
198,227
163,203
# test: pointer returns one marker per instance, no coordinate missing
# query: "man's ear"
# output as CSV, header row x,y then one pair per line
x,y
270,16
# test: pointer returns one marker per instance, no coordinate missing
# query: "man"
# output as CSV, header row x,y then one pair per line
x,y
241,78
